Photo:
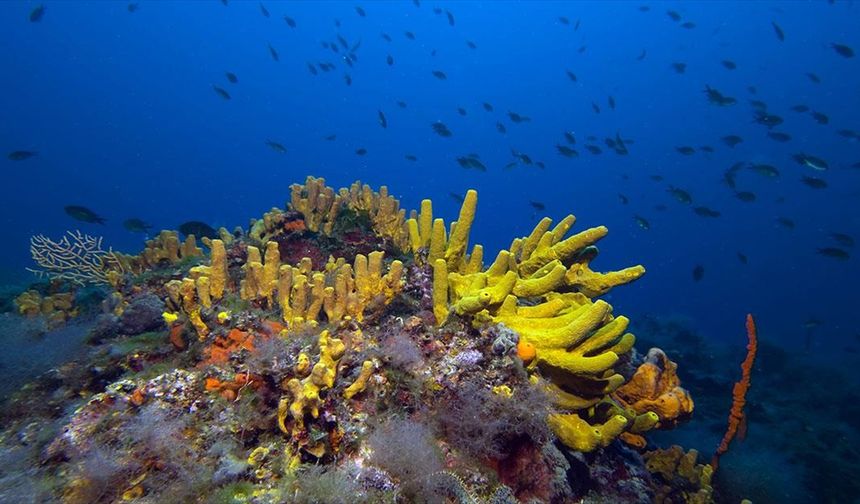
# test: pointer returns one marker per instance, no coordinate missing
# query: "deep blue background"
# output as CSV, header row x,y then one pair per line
x,y
121,109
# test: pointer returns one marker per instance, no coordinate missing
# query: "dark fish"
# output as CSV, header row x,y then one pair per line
x,y
563,20
759,105
401,104
510,165
347,79
263,10
841,49
132,7
661,207
674,15
471,162
679,67
706,148
461,111
487,107
656,178
732,140
768,120
779,136
571,139
84,214
198,229
813,162
331,138
611,102
231,77
729,64
517,118
704,211
594,149
21,155
456,197
764,169
361,151
644,8
785,222
698,272
136,225
742,258
390,60
820,118
221,92
595,108
441,130
843,239
571,75
386,36
814,78
642,55
274,53
290,21
360,11
800,108
537,205
681,195
752,89
576,26
835,253
471,44
501,128
814,182
439,74
382,121
581,49
312,69
524,158
450,17
718,98
745,196
277,147
850,134
343,42
686,150
624,199
410,157
410,35
37,13
779,33
642,222
566,151
688,25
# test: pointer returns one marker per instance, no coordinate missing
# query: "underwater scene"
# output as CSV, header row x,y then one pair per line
x,y
429,252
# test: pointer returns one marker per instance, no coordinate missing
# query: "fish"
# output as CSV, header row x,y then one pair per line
x,y
800,108
843,239
718,98
834,253
764,169
456,197
274,53
679,67
347,79
441,129
660,207
698,272
263,10
487,107
742,258
450,17
360,11
642,55
537,205
704,211
510,165
656,178
780,35
759,105
343,42
290,21
411,157
385,36
471,44
729,64
21,155
688,25
569,136
611,102
571,75
624,199
594,149
814,182
582,49
517,118
706,148
819,117
401,104
673,15
563,20
471,161
361,151
37,13
595,107
231,77
524,158
461,111
312,69
439,75
83,214
198,229
644,8
732,140
382,120
277,147
779,136
132,7
501,128
409,35
566,151
841,49
745,196
136,225
813,162
850,134
814,78
389,59
686,150
642,222
681,195
221,92
331,138
766,119
785,222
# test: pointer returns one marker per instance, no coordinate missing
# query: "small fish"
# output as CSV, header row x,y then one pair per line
x,y
718,98
850,134
742,258
331,138
624,199
595,108
273,53
487,107
221,92
820,118
843,239
21,155
571,75
450,17
263,10
706,148
439,75
409,35
841,49
698,272
778,30
729,64
517,118
510,165
642,222
689,25
456,197
382,120
759,105
704,211
766,119
800,109
411,157
563,20
681,195
566,151
136,225
441,130
594,149
343,42
813,162
290,21
814,78
360,11
386,36
611,102
537,205
84,214
524,158
389,59
686,150
277,147
582,49
642,55
571,139
660,207
461,111
644,8
732,140
834,253
37,13
312,69
361,151
679,67
814,182
656,178
501,128
779,136
673,15
471,162
745,196
764,169
347,79
471,44
198,229
785,222
132,7
231,77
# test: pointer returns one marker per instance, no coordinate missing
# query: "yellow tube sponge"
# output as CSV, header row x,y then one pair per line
x,y
440,291
360,382
218,269
579,435
459,239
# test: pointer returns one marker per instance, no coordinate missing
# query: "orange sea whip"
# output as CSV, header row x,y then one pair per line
x,y
737,420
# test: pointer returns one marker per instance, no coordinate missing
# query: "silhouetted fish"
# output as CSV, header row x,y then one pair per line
x,y
537,205
439,75
360,11
742,258
704,211
136,225
389,59
275,146
679,67
718,98
686,150
843,239
21,155
411,157
487,107
745,196
778,30
231,77
698,272
764,169
37,13
290,21
729,64
132,7
778,136
382,120
518,118
841,49
571,139
274,53
814,78
680,195
732,140
263,10
84,214
785,222
642,222
361,151
800,108
820,118
813,162
571,75
566,151
441,129
221,92
814,182
834,253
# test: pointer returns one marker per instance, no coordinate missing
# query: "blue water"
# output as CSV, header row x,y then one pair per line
x,y
121,109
